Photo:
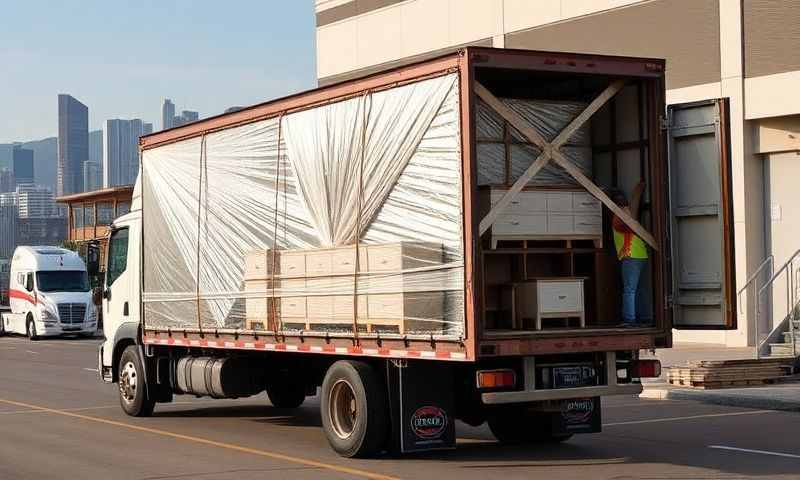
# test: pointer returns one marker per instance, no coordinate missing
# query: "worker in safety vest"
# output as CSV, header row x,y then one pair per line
x,y
632,254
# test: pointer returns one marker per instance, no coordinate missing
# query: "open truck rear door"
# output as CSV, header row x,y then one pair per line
x,y
701,223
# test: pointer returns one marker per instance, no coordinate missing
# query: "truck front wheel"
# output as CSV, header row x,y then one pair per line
x,y
354,409
132,389
520,425
30,327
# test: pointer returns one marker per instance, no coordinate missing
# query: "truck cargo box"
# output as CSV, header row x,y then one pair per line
x,y
453,209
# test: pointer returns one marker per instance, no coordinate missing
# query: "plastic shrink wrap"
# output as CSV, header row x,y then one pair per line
x,y
342,216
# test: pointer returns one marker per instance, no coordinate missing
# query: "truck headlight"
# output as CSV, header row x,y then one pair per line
x,y
47,313
91,314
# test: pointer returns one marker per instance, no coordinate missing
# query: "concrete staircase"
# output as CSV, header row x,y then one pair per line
x,y
785,348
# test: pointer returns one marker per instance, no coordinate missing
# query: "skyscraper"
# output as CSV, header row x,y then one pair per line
x,y
7,183
73,144
167,114
121,150
96,146
22,164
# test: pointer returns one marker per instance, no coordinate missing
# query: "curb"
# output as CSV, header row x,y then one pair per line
x,y
739,397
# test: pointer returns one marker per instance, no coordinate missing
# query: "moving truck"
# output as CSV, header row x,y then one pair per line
x,y
49,294
423,245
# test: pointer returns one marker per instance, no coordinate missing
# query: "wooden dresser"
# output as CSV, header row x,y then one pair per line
x,y
545,214
313,286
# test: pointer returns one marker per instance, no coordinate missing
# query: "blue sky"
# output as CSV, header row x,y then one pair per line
x,y
122,58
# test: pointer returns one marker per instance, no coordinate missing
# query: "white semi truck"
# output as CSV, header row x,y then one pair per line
x,y
422,245
49,294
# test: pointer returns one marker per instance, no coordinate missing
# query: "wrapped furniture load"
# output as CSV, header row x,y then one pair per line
x,y
549,117
257,226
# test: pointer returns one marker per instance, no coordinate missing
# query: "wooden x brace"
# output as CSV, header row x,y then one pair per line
x,y
551,151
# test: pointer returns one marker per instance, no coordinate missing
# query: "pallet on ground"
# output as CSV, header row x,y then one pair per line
x,y
707,374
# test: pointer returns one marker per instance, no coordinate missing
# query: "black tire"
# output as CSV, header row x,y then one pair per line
x,y
518,425
283,392
357,387
131,385
30,329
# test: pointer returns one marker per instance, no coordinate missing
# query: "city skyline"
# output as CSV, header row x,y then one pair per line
x,y
129,76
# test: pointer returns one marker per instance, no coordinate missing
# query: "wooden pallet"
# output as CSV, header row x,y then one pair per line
x,y
728,373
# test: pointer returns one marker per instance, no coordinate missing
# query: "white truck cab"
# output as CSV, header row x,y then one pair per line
x,y
49,294
121,298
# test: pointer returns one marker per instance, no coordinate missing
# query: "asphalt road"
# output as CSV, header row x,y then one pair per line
x,y
57,420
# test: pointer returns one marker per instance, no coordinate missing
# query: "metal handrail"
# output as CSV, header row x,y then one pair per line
x,y
770,260
778,273
792,280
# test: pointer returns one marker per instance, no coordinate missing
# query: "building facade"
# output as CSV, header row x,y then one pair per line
x,y
92,176
8,224
121,150
742,52
7,182
90,214
73,144
22,163
35,201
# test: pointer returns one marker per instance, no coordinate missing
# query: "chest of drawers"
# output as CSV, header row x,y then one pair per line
x,y
539,214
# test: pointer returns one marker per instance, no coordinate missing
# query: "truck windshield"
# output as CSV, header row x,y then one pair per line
x,y
62,281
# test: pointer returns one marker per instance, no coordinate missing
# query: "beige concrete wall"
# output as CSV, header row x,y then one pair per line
x,y
783,224
358,34
712,46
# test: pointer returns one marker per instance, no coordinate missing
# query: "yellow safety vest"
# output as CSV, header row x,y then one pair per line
x,y
628,244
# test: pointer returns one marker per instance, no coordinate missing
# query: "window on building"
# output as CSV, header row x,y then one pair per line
x,y
88,215
105,213
77,216
123,208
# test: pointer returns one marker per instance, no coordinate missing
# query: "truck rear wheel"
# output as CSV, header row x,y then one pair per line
x,y
132,389
354,409
519,425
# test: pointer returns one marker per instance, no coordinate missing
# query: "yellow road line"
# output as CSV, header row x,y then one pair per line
x,y
229,446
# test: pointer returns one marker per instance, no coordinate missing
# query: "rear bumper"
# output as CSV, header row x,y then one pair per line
x,y
498,398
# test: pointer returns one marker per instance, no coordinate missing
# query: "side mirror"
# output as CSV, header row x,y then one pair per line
x,y
92,259
29,282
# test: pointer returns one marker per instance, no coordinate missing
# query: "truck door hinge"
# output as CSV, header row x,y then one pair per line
x,y
663,122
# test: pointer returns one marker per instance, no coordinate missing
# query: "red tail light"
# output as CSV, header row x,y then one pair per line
x,y
644,369
496,378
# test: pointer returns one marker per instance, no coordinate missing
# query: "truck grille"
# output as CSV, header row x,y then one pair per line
x,y
71,312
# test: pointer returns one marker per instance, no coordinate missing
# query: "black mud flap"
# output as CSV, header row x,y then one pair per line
x,y
422,406
578,415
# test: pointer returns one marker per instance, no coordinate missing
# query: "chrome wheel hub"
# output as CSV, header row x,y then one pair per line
x,y
128,380
342,409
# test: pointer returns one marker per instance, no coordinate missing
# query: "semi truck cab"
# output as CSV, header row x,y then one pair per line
x,y
49,294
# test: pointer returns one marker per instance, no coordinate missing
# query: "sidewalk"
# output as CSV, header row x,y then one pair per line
x,y
781,396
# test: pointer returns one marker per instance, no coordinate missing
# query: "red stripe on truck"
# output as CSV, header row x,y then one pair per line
x,y
155,339
19,294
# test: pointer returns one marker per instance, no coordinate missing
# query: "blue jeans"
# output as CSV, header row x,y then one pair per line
x,y
631,272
